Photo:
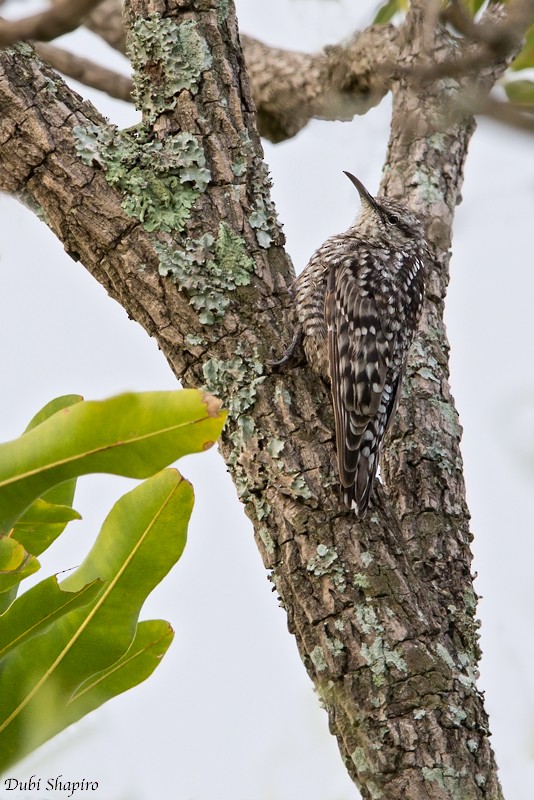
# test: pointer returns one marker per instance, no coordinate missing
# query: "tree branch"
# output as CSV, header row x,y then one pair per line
x,y
87,72
511,114
62,18
290,88
106,21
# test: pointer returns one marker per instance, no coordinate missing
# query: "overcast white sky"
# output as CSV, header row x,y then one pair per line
x,y
230,713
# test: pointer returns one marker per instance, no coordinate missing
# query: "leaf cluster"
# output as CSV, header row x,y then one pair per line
x,y
68,646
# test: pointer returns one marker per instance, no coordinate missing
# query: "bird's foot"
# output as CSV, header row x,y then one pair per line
x,y
290,352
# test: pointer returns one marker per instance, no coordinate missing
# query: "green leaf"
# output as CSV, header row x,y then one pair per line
x,y
387,11
151,642
63,494
132,434
41,524
143,536
525,57
15,563
474,6
520,92
52,408
36,609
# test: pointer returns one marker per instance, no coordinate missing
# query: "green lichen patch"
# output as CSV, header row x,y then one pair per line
x,y
472,745
267,540
319,661
239,166
361,581
377,653
300,488
321,563
456,715
445,656
209,270
281,395
195,341
324,563
360,760
234,380
222,10
161,181
275,447
445,777
335,646
263,216
166,58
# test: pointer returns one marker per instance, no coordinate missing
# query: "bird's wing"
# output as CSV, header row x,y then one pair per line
x,y
360,354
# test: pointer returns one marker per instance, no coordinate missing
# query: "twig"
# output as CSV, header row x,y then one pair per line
x,y
62,18
87,72
508,113
106,21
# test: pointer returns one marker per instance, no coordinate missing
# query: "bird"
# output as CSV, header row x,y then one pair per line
x,y
358,303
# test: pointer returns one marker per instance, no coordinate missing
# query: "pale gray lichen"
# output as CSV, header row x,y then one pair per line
x,y
263,217
208,270
457,715
281,395
300,488
367,619
361,581
22,48
222,10
30,202
196,341
50,86
259,220
318,658
378,655
324,564
367,559
472,745
335,646
359,760
161,180
261,507
445,656
267,540
239,166
429,186
320,564
234,380
275,447
438,142
176,53
375,792
445,777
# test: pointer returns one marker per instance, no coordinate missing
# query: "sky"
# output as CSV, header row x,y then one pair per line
x,y
230,713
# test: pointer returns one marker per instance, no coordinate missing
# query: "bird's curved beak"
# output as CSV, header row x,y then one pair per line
x,y
362,191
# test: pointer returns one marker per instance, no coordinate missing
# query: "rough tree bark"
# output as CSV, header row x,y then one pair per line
x,y
175,220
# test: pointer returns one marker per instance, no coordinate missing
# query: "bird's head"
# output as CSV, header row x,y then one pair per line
x,y
386,219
